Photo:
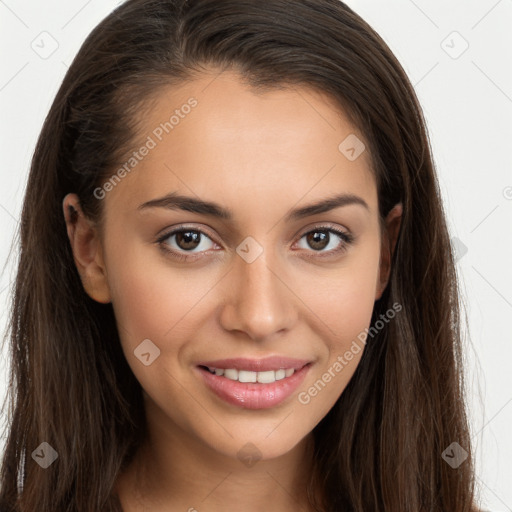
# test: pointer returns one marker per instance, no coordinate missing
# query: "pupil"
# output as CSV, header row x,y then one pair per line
x,y
318,239
190,239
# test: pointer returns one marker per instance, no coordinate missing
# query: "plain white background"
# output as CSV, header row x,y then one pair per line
x,y
457,54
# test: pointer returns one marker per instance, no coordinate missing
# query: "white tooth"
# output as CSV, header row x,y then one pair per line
x,y
267,377
246,376
231,374
280,374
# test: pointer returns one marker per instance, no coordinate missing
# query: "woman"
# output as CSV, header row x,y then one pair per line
x,y
235,287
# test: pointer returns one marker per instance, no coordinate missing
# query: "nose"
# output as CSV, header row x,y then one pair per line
x,y
259,300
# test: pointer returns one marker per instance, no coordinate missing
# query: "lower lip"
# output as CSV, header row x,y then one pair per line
x,y
250,395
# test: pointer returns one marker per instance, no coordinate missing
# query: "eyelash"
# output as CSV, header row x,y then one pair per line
x,y
347,240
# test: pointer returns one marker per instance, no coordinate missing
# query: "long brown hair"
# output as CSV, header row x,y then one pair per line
x,y
380,447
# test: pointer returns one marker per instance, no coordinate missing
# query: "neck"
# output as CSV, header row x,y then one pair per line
x,y
174,471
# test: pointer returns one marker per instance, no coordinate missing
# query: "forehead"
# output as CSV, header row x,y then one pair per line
x,y
217,138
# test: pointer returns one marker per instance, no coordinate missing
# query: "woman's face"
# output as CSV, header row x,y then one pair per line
x,y
254,276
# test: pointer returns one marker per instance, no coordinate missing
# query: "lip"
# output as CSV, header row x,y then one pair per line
x,y
257,365
248,395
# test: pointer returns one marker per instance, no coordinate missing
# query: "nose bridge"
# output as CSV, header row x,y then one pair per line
x,y
259,302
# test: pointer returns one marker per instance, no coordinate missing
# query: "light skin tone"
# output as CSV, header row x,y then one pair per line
x,y
260,155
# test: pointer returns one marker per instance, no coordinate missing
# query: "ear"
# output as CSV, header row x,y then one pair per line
x,y
389,238
87,250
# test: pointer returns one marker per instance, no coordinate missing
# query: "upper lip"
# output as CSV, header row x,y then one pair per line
x,y
257,365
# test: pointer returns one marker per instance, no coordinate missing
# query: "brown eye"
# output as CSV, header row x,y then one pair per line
x,y
188,240
318,240
326,241
185,243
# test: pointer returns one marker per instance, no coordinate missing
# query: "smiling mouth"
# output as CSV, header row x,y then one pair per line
x,y
254,383
265,377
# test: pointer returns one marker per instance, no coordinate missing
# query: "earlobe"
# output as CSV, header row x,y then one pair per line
x,y
389,239
87,250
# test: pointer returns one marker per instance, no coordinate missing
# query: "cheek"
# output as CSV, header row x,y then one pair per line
x,y
146,302
343,298
344,320
343,304
153,301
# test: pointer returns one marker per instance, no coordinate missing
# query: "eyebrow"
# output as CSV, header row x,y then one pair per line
x,y
174,201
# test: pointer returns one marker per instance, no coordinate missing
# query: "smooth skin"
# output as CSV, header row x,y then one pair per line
x,y
259,155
